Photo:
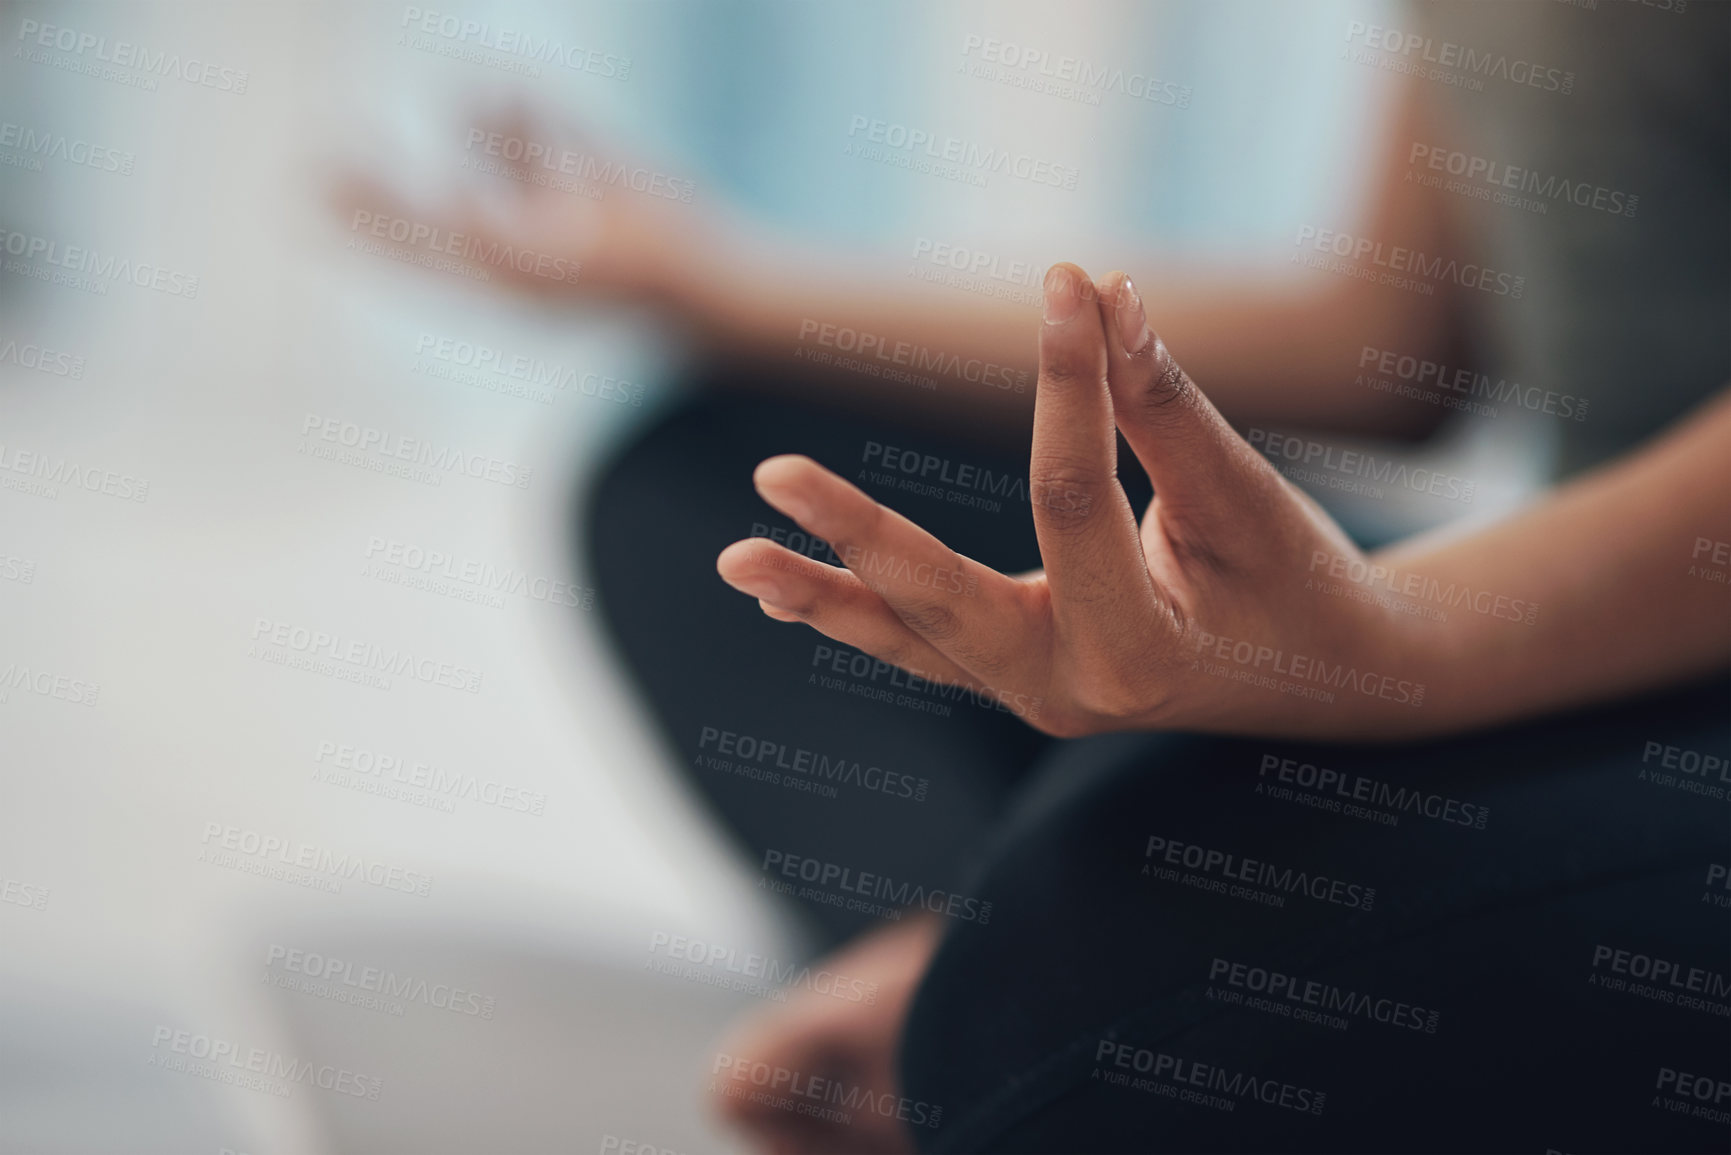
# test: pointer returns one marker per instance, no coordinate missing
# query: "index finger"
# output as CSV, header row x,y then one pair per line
x,y
969,612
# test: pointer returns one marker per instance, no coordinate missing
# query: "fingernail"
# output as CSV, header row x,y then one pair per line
x,y
759,586
1132,319
1062,300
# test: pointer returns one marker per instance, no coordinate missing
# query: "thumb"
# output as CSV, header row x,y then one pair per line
x,y
1207,477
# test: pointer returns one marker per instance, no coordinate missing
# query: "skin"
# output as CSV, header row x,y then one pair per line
x,y
1123,627
822,1037
1102,636
741,293
1112,632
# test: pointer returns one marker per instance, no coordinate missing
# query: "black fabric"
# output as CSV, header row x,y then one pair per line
x,y
1494,929
704,655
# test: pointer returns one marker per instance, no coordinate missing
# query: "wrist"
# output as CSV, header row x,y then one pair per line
x,y
702,276
1380,652
1396,687
1344,667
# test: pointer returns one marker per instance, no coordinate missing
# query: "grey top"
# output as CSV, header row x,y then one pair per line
x,y
1626,307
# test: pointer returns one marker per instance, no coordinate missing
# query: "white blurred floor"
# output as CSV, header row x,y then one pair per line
x,y
107,806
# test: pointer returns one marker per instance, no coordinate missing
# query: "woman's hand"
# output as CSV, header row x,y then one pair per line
x,y
556,192
1207,616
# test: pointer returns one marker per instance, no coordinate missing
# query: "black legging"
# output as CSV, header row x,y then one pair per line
x,y
1287,970
1293,971
716,671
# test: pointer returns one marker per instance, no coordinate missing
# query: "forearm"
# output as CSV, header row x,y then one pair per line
x,y
1585,597
1282,351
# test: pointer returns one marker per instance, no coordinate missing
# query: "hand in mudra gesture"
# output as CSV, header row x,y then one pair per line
x,y
1194,619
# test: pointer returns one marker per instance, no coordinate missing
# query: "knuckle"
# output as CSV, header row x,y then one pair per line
x,y
1168,388
1066,723
1197,548
1117,691
1110,699
992,665
896,652
940,625
857,530
1063,495
1070,369
807,606
949,631
932,620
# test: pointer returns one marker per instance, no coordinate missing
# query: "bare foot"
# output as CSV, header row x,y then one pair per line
x,y
790,1075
